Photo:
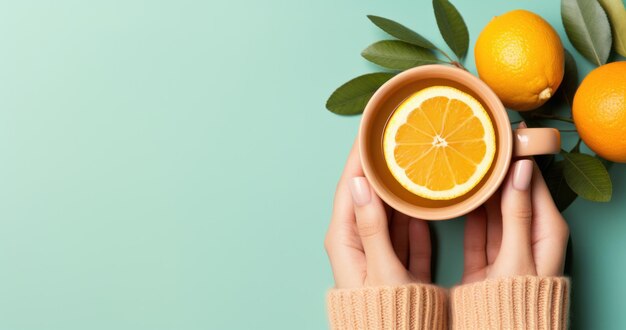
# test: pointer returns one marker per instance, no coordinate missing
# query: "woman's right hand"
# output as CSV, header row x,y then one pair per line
x,y
519,231
368,243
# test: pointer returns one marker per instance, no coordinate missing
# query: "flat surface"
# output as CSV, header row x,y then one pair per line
x,y
170,164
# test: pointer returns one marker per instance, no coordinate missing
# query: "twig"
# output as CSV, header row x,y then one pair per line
x,y
453,62
446,55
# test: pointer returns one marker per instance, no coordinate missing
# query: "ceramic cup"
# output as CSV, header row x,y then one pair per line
x,y
522,142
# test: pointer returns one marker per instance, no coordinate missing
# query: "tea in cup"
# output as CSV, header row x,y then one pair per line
x,y
436,142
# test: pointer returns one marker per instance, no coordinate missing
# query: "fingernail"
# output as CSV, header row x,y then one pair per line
x,y
522,174
360,190
522,125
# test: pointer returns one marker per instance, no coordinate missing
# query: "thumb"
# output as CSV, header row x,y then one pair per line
x,y
515,255
371,222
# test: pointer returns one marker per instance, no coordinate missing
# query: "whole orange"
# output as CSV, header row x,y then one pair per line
x,y
599,111
520,56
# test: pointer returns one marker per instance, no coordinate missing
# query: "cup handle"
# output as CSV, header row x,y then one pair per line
x,y
536,141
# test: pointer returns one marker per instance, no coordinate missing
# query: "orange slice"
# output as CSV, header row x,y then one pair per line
x,y
439,143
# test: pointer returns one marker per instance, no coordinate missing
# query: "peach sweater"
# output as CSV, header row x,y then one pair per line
x,y
522,302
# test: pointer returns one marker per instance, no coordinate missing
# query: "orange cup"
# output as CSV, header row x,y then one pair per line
x,y
520,143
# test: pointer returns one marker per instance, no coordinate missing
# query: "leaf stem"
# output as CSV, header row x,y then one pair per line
x,y
459,65
452,61
445,54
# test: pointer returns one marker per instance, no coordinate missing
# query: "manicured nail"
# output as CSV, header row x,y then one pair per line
x,y
360,190
522,174
522,125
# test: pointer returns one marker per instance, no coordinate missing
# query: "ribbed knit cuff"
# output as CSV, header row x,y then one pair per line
x,y
523,302
410,306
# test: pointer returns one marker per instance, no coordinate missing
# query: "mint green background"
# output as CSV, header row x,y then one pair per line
x,y
170,164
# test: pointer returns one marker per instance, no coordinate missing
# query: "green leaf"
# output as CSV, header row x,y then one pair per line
x,y
576,147
352,97
570,78
617,16
562,194
587,177
588,28
452,27
398,55
401,32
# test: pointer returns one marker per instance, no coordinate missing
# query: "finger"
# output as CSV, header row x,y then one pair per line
x,y
494,227
389,212
399,231
371,222
474,243
419,250
342,242
549,228
515,252
343,209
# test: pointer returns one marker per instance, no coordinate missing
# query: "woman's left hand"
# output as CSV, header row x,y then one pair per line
x,y
519,231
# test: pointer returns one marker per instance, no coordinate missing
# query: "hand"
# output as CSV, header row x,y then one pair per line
x,y
363,248
519,231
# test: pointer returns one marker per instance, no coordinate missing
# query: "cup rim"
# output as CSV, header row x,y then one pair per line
x,y
504,141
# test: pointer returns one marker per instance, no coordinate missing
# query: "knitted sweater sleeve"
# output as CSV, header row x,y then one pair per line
x,y
410,306
522,302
